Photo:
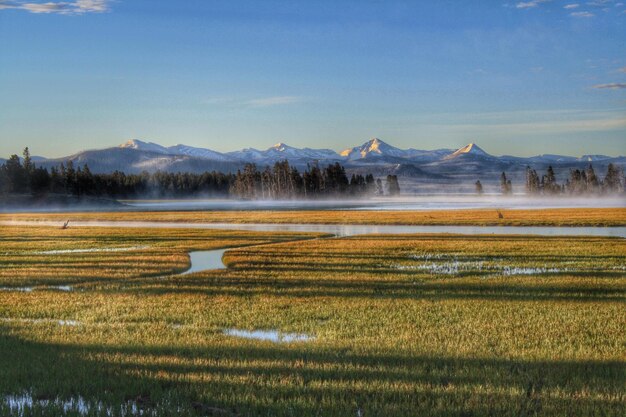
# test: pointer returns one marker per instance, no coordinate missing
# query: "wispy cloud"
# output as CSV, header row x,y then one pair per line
x,y
555,126
273,101
594,6
529,4
260,102
58,7
599,3
623,69
611,86
582,14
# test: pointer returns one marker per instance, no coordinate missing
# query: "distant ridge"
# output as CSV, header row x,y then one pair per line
x,y
443,167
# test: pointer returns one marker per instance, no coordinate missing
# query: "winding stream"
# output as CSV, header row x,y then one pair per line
x,y
212,259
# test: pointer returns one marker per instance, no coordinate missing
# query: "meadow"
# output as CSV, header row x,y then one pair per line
x,y
99,320
475,217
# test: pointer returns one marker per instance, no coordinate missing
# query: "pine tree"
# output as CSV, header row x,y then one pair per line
x,y
479,188
613,181
592,180
393,188
549,182
505,185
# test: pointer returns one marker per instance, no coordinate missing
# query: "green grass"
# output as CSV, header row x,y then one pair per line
x,y
432,325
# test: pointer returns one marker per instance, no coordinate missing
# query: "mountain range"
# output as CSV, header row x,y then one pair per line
x,y
439,167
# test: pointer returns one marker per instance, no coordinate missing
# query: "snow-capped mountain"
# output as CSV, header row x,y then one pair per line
x,y
175,150
374,148
145,146
469,150
374,156
282,151
198,153
550,158
285,151
592,158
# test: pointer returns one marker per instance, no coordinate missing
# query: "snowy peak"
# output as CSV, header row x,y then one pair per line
x,y
198,152
471,149
592,158
280,146
144,146
282,150
372,148
177,150
375,145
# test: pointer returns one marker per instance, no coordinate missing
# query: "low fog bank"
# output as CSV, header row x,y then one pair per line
x,y
26,204
403,202
18,203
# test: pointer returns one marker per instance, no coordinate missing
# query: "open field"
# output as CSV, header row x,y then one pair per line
x,y
433,325
544,217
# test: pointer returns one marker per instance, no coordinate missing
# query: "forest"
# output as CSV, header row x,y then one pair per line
x,y
22,176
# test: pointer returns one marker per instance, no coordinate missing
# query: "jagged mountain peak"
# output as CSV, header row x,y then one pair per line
x,y
469,149
374,147
281,146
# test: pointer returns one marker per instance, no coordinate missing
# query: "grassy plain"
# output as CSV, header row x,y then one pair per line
x,y
479,217
432,325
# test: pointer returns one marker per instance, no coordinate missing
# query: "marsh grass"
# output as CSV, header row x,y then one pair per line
x,y
389,338
477,217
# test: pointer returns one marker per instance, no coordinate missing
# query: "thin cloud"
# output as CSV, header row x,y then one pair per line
x,y
582,14
273,101
538,127
59,7
571,6
611,86
529,4
623,69
599,3
260,102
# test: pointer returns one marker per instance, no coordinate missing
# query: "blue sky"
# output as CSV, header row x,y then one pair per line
x,y
520,78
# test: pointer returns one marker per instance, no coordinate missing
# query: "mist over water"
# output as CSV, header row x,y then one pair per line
x,y
400,203
414,202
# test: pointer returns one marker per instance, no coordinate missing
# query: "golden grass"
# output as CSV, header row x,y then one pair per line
x,y
543,217
430,325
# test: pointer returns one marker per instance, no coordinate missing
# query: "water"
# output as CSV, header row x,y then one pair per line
x,y
269,335
206,259
23,405
65,288
17,289
412,202
348,230
71,323
212,259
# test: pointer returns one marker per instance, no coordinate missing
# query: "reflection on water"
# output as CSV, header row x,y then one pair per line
x,y
65,288
17,289
206,259
269,335
24,404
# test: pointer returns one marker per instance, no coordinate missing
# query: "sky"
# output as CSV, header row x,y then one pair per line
x,y
519,78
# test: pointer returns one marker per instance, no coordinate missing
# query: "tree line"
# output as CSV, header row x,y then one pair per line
x,y
22,176
283,181
580,182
